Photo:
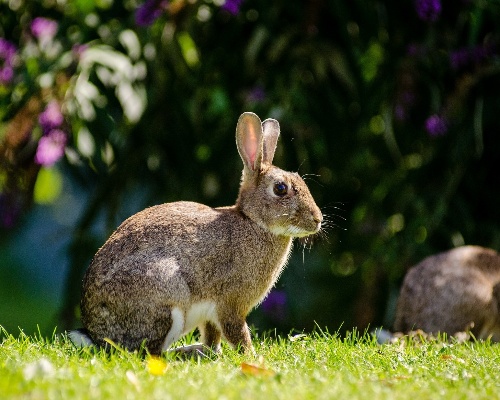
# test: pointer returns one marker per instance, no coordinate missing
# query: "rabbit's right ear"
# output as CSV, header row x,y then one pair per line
x,y
271,129
249,138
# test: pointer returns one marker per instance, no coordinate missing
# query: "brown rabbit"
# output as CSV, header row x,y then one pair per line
x,y
451,292
174,267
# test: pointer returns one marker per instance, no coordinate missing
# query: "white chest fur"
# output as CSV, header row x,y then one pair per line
x,y
184,321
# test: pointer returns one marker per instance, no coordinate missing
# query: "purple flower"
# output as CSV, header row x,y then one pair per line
x,y
78,50
428,10
400,111
416,50
10,210
459,58
436,125
43,28
404,102
7,54
465,56
275,305
256,95
7,50
51,117
149,12
232,6
51,147
6,74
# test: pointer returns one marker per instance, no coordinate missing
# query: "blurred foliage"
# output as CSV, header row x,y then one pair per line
x,y
389,108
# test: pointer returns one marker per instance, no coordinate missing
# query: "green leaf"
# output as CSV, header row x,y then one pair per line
x,y
188,49
48,186
85,6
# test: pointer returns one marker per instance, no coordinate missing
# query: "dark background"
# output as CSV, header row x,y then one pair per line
x,y
355,86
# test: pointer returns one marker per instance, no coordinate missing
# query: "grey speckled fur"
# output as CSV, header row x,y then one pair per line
x,y
179,254
453,292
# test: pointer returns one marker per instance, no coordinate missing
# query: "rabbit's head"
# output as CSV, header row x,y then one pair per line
x,y
277,200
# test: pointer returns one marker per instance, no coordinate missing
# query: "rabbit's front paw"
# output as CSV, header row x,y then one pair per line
x,y
238,335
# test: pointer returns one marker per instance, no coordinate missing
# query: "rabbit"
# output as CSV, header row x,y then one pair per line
x,y
451,292
178,266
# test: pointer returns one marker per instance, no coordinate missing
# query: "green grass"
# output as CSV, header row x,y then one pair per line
x,y
316,366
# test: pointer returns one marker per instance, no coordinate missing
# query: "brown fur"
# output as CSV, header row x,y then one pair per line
x,y
452,292
179,254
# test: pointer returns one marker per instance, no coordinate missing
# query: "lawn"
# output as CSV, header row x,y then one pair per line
x,y
315,366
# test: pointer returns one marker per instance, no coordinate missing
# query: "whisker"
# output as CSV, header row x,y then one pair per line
x,y
307,177
332,207
331,220
300,165
333,216
327,208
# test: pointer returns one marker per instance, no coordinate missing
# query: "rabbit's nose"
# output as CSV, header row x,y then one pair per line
x,y
317,218
317,215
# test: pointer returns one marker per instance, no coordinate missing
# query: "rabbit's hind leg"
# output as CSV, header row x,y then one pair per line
x,y
149,327
211,337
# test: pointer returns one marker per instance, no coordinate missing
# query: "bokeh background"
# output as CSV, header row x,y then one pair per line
x,y
389,108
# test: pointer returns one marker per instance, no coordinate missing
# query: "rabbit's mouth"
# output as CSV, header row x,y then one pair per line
x,y
294,230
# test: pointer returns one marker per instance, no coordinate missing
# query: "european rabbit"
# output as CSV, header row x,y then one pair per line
x,y
174,267
451,292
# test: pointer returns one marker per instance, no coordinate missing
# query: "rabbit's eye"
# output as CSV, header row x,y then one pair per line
x,y
280,189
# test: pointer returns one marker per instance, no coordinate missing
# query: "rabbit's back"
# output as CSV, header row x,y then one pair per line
x,y
451,292
159,229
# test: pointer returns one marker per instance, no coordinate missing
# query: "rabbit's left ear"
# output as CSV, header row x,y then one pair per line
x,y
271,130
249,138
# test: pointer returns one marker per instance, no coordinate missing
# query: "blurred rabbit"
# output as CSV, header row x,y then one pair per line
x,y
451,292
174,267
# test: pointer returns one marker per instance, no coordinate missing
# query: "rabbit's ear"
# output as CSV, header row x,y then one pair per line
x,y
271,129
249,139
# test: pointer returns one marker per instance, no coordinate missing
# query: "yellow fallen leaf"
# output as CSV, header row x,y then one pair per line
x,y
254,370
156,366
